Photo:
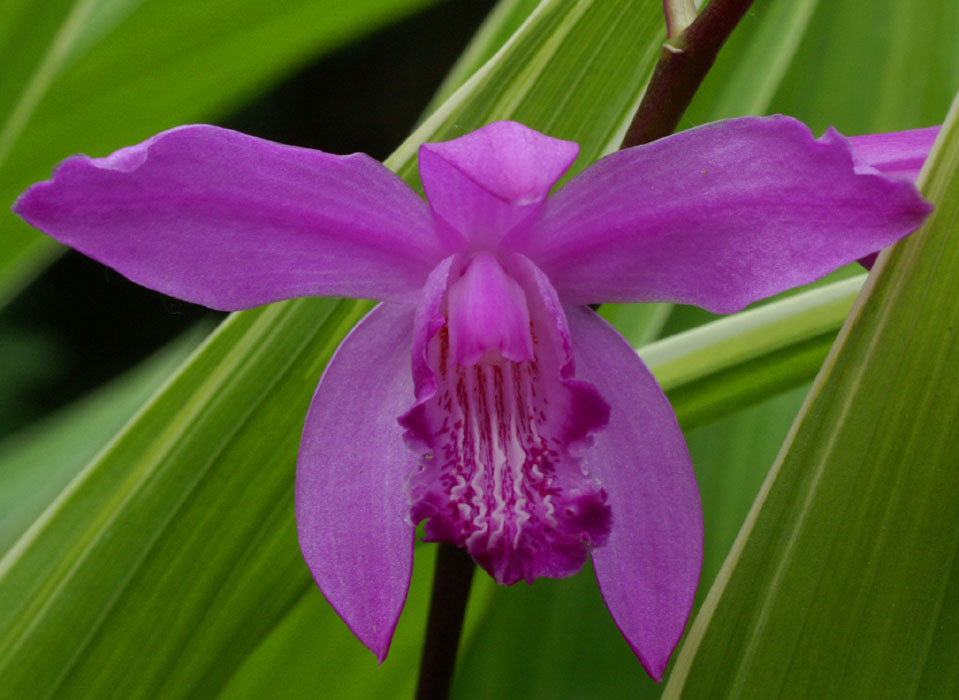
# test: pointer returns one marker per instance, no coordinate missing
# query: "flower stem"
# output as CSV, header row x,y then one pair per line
x,y
451,588
684,62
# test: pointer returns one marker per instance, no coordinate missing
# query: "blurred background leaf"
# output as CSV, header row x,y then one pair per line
x,y
861,67
503,21
38,463
308,655
713,369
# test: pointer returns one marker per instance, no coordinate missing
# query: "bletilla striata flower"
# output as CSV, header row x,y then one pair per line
x,y
528,431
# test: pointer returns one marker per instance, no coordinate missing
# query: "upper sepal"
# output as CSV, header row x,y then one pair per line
x,y
492,180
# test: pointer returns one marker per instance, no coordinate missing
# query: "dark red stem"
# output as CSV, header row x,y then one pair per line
x,y
451,589
683,64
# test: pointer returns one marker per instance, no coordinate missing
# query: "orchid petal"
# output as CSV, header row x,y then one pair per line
x,y
491,180
900,153
231,221
649,567
351,509
718,216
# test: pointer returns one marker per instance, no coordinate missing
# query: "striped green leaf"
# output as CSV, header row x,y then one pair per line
x,y
843,581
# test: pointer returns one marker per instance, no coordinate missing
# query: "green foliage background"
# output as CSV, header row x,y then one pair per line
x,y
159,560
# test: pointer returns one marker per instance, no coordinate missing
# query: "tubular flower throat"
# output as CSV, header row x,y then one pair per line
x,y
528,431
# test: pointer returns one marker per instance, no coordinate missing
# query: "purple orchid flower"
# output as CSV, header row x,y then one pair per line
x,y
534,435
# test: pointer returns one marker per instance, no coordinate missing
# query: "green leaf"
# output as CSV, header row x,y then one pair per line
x,y
709,371
640,324
174,557
95,75
183,525
497,28
732,457
843,582
752,65
908,55
311,654
37,463
808,59
554,639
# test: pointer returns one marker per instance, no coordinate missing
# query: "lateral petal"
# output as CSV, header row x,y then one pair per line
x,y
230,221
351,509
718,216
650,565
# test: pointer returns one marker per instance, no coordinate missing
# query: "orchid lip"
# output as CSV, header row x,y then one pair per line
x,y
501,470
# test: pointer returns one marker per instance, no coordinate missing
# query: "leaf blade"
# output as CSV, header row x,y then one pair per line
x,y
850,549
